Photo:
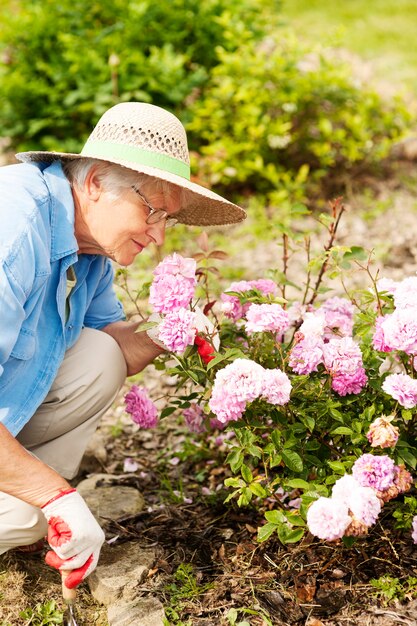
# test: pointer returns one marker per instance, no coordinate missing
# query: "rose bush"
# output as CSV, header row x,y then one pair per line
x,y
315,392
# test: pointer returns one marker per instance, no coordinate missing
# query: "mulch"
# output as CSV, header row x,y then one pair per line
x,y
186,520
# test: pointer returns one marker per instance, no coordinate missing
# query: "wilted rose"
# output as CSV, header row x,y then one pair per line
x,y
382,433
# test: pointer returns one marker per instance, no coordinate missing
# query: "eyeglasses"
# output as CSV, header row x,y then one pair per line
x,y
156,215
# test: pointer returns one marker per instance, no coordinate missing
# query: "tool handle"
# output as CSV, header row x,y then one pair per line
x,y
69,595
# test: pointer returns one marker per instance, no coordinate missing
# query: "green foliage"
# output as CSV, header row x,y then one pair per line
x,y
184,588
405,512
274,112
388,588
43,614
64,63
233,615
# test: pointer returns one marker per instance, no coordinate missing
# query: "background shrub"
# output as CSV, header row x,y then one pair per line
x,y
64,63
276,110
266,114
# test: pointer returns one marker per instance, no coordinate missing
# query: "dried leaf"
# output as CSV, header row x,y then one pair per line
x,y
209,306
306,592
251,529
198,256
152,572
218,254
202,241
222,553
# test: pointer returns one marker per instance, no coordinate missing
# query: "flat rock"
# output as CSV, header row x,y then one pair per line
x,y
140,612
107,501
120,571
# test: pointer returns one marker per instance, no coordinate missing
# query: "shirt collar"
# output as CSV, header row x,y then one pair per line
x,y
63,241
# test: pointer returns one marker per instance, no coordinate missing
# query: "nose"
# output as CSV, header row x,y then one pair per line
x,y
157,232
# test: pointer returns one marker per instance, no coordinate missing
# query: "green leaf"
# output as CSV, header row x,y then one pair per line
x,y
342,430
245,497
349,541
235,460
337,467
275,460
295,519
275,517
230,355
233,481
276,438
292,460
257,490
246,473
168,411
356,253
264,532
145,326
315,492
309,421
336,414
408,458
297,483
291,536
406,414
255,451
231,496
368,413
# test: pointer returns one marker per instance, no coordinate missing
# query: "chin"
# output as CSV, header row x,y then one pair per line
x,y
125,259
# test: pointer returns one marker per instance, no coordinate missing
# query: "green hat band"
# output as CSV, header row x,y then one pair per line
x,y
124,152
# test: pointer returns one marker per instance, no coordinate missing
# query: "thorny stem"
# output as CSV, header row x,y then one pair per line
x,y
338,209
329,446
307,243
284,261
133,300
204,280
374,281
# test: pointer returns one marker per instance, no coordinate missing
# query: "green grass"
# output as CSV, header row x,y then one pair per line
x,y
381,31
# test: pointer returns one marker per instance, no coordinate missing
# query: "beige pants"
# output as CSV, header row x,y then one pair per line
x,y
86,385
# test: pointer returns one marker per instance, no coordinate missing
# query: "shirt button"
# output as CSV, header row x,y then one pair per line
x,y
69,327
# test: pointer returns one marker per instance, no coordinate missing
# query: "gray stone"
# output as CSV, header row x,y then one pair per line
x,y
120,571
107,501
140,612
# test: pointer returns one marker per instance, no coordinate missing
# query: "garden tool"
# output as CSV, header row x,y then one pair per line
x,y
69,596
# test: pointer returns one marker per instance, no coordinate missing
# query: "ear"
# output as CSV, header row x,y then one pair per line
x,y
92,185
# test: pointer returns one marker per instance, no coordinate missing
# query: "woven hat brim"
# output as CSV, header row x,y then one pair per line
x,y
200,206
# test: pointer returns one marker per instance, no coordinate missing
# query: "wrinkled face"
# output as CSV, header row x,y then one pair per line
x,y
117,228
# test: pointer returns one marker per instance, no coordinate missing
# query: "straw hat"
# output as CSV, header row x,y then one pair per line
x,y
148,139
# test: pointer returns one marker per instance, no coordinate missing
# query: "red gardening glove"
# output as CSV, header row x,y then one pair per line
x,y
74,536
204,349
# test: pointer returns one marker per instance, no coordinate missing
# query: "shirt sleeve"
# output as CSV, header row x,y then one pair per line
x,y
12,313
105,308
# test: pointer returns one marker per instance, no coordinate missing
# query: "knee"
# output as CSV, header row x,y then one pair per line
x,y
20,525
108,369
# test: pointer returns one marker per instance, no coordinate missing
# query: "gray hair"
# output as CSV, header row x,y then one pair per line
x,y
114,178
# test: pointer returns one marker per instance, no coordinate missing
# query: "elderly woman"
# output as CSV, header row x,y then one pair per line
x,y
65,347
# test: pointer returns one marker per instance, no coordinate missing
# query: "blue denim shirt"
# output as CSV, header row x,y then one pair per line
x,y
37,246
